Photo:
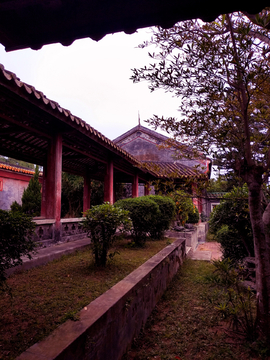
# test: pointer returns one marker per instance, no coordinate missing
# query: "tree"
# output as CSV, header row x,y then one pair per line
x,y
221,73
31,199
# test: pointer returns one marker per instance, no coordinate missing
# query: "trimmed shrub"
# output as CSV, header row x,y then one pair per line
x,y
16,240
101,223
143,212
193,216
164,217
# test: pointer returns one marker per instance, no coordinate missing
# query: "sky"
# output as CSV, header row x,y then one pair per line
x,y
92,80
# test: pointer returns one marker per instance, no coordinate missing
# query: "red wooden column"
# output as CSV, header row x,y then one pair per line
x,y
53,184
135,186
108,183
86,192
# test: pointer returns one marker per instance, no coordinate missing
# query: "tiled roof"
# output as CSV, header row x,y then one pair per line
x,y
65,114
173,144
16,169
143,129
215,195
171,170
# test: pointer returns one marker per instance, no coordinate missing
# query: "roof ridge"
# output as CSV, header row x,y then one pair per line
x,y
16,168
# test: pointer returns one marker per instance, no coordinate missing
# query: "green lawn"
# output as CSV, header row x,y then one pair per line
x,y
185,324
44,297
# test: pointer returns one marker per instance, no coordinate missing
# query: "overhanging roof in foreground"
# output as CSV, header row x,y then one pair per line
x,y
28,23
29,120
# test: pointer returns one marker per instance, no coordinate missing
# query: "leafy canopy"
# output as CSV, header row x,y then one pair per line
x,y
220,71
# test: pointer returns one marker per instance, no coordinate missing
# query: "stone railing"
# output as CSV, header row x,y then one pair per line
x,y
71,229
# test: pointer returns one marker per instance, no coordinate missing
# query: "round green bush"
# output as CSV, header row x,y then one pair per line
x,y
164,217
143,212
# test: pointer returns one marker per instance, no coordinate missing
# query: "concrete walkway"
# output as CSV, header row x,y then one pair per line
x,y
207,251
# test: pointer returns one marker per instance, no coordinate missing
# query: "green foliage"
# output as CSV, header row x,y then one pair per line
x,y
214,68
238,305
232,247
164,217
19,163
16,231
143,212
184,205
218,185
31,199
72,195
15,207
230,223
97,192
101,223
193,216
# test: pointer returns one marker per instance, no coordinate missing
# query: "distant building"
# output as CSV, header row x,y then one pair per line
x,y
13,181
150,148
212,199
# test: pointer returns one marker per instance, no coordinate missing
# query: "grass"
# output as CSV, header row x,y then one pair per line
x,y
185,324
44,297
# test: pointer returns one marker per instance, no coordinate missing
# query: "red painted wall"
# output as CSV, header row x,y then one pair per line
x,y
13,181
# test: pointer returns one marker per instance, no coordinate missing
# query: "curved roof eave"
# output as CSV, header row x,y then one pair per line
x,y
31,94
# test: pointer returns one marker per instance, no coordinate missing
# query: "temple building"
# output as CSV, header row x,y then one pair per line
x,y
174,163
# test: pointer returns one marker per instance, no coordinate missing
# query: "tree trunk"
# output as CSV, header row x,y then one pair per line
x,y
261,228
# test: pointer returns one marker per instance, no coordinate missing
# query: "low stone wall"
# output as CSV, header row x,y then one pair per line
x,y
108,325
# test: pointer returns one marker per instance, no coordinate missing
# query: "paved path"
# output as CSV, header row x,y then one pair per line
x,y
207,251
